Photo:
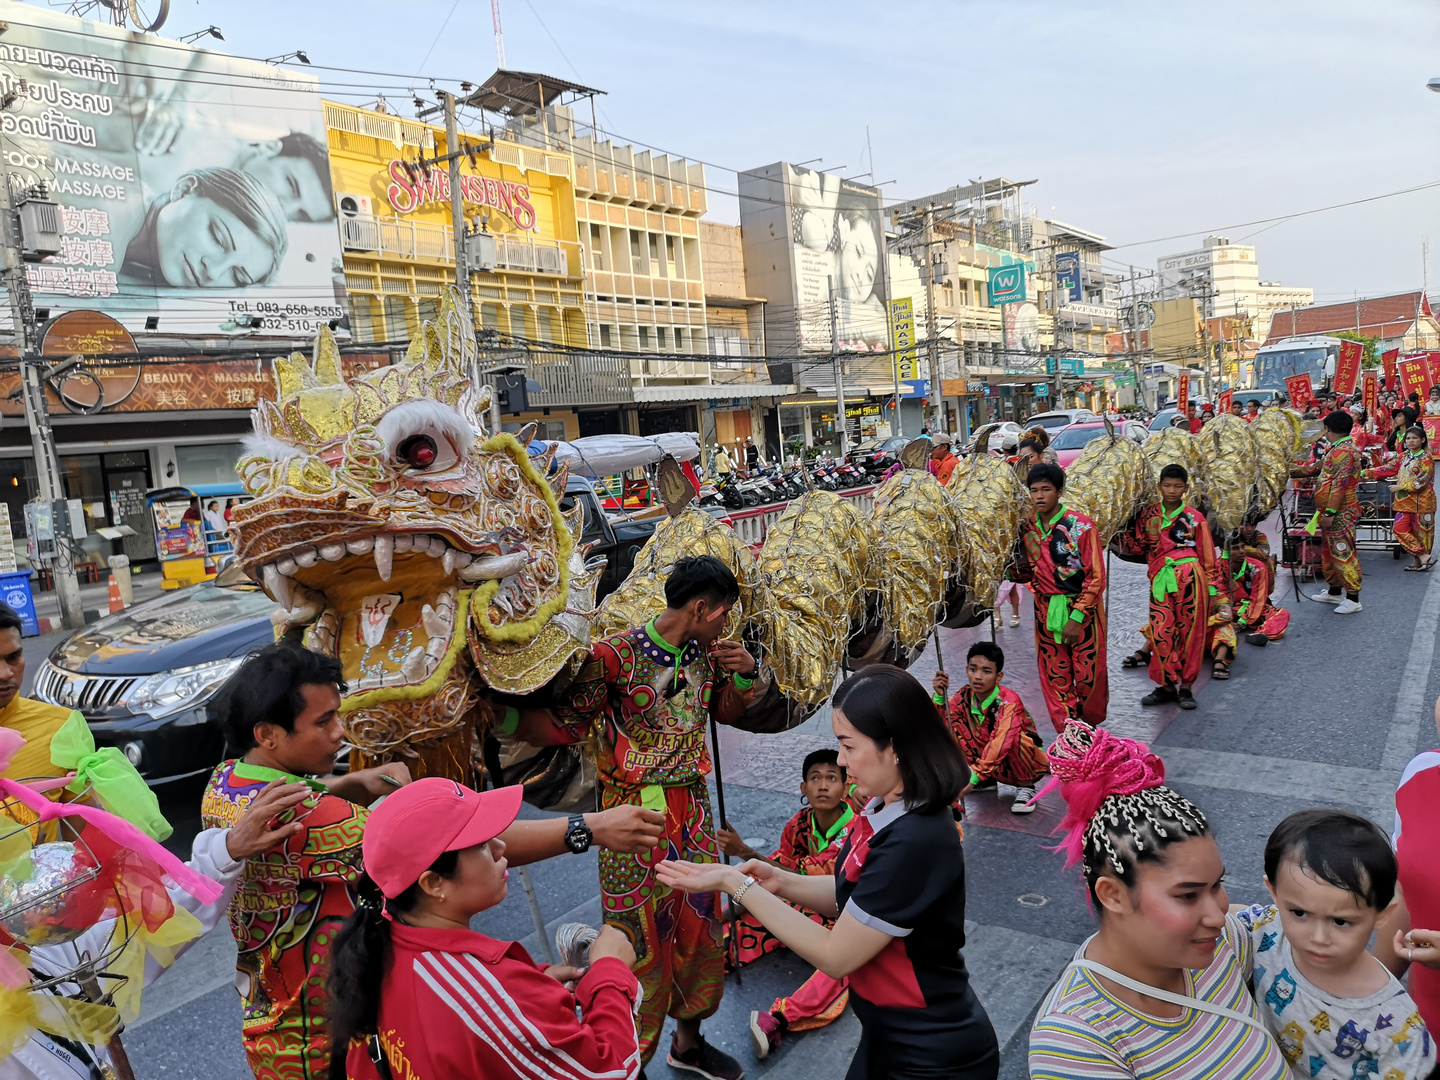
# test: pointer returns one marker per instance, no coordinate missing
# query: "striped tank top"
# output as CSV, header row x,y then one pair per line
x,y
1082,1032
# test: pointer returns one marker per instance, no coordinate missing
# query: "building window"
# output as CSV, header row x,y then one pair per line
x,y
544,328
606,340
399,324
654,249
597,248
211,463
637,256
670,257
644,339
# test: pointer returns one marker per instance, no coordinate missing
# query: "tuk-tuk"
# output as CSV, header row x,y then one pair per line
x,y
191,548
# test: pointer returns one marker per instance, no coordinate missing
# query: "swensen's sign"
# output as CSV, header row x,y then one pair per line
x,y
433,185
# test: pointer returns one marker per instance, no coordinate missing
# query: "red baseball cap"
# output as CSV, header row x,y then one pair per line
x,y
414,826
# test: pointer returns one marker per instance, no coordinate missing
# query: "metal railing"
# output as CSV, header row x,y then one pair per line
x,y
575,378
406,239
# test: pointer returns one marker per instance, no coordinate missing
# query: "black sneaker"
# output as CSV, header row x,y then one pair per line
x,y
1259,640
1185,699
1161,695
705,1060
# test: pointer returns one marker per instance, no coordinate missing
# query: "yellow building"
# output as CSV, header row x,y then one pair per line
x,y
398,243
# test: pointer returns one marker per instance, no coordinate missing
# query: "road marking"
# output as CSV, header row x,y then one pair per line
x,y
1370,790
1410,702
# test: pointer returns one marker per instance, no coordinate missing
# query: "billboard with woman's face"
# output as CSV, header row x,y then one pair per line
x,y
832,239
194,187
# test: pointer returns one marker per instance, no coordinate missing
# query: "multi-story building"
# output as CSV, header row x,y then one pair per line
x,y
1403,321
1225,279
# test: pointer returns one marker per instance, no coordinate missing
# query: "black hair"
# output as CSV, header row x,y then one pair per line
x,y
891,708
267,690
1045,473
700,575
1175,471
987,650
824,756
1340,848
1416,430
1031,444
359,959
1339,421
300,145
10,619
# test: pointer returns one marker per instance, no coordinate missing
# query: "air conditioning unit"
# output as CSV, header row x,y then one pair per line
x,y
39,228
353,205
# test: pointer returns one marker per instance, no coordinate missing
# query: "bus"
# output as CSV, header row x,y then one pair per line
x,y
1314,356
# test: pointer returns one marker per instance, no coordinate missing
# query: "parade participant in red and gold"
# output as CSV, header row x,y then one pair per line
x,y
1061,557
1337,506
1175,541
1414,505
650,692
809,844
1250,584
993,727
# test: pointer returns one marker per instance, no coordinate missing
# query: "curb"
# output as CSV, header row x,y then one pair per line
x,y
52,624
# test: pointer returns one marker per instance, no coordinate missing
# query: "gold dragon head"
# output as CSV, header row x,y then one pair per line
x,y
402,538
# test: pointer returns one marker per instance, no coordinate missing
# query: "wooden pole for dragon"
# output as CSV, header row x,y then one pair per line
x,y
732,947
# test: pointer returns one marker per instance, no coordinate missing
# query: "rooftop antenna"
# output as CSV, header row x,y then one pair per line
x,y
499,34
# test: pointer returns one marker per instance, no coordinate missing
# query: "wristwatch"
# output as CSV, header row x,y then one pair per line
x,y
578,836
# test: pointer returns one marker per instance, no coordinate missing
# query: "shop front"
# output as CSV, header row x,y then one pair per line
x,y
812,424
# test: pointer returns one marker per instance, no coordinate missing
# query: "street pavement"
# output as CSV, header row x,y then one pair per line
x,y
1329,716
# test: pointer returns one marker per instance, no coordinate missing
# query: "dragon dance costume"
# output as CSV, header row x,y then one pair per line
x,y
1063,561
805,848
290,902
1183,579
998,737
1339,473
1250,592
650,702
1414,499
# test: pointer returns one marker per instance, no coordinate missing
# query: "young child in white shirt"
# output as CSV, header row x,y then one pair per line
x,y
1336,1012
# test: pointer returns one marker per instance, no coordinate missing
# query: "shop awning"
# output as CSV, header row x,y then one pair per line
x,y
707,392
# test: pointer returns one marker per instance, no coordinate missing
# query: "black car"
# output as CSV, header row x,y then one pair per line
x,y
143,677
878,454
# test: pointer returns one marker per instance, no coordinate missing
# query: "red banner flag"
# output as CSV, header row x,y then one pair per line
x,y
1347,367
1227,398
1432,432
1300,391
1370,393
1389,360
1182,392
1414,376
1433,360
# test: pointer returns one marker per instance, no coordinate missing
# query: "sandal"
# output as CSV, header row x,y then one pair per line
x,y
1138,658
1221,670
1413,568
1424,567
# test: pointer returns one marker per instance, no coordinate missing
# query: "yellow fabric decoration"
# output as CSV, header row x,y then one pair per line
x,y
25,1011
163,944
120,789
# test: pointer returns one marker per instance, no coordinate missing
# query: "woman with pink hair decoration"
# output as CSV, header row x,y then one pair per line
x,y
1160,990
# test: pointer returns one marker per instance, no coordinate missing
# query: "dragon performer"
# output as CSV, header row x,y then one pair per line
x,y
427,555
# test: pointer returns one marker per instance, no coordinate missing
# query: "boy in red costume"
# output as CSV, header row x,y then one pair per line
x,y
1060,556
1175,541
993,727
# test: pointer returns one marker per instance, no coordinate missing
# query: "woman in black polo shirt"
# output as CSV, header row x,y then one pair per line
x,y
898,891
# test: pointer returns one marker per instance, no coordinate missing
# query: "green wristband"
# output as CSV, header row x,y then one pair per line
x,y
1077,616
743,682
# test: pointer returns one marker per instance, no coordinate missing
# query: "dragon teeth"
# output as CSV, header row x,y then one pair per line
x,y
414,666
495,566
402,543
306,557
447,561
286,566
434,625
362,546
384,556
277,585
332,552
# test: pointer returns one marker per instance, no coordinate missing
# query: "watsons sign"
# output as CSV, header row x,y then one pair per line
x,y
433,186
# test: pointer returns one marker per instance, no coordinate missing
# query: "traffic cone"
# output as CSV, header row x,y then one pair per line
x,y
116,602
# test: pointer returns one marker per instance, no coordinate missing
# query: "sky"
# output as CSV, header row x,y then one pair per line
x,y
1141,120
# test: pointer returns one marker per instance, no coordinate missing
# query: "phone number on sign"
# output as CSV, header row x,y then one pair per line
x,y
313,311
276,323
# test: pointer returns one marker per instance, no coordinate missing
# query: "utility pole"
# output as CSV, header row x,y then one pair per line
x,y
37,413
932,332
457,204
839,365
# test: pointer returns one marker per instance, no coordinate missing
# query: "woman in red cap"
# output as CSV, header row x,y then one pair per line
x,y
414,992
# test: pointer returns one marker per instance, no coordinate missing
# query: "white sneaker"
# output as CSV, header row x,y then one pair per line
x,y
1327,597
1349,607
1014,620
1024,801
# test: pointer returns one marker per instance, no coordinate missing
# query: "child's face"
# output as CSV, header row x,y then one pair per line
x,y
1172,490
982,675
824,787
1326,926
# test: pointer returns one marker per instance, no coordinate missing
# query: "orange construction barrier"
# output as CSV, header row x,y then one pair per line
x,y
116,602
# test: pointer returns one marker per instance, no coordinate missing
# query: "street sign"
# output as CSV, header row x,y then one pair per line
x,y
902,337
1140,316
1067,276
1007,285
1042,389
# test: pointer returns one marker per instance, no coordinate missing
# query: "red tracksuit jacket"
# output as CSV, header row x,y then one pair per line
x,y
459,1004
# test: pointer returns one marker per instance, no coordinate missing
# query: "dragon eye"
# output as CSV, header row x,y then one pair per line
x,y
418,452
